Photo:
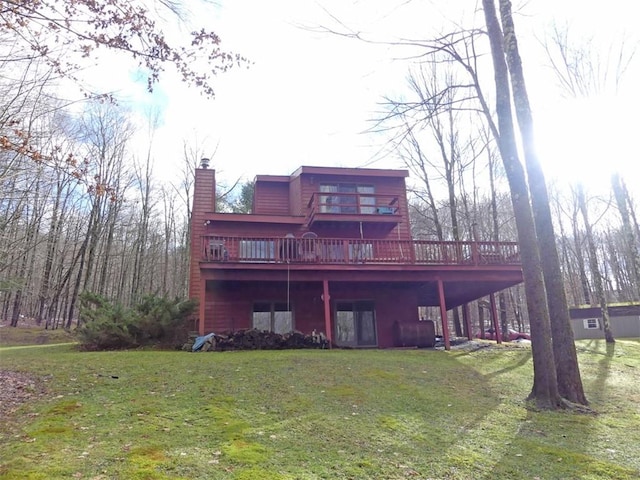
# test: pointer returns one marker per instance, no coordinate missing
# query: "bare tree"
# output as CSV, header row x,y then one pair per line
x,y
596,274
567,369
433,122
631,241
545,386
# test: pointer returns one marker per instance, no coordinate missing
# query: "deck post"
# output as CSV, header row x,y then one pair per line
x,y
466,318
494,316
443,316
327,311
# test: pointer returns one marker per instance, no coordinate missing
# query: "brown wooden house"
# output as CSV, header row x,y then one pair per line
x,y
330,249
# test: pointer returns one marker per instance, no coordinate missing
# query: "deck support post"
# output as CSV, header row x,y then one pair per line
x,y
327,311
443,316
494,316
466,318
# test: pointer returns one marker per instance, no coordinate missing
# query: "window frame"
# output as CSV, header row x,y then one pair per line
x,y
333,195
274,307
591,323
358,308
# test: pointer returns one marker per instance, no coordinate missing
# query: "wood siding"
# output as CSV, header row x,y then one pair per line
x,y
366,254
621,327
229,305
223,229
271,198
204,200
295,197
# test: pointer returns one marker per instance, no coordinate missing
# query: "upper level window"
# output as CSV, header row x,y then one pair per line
x,y
347,198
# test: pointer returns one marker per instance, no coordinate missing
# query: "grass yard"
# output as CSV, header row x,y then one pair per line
x,y
316,414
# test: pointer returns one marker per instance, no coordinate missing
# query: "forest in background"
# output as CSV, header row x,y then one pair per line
x,y
116,230
91,215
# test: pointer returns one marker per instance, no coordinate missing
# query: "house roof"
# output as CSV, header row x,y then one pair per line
x,y
615,310
367,172
273,178
360,172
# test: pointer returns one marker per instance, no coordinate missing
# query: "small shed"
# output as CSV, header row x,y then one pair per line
x,y
586,321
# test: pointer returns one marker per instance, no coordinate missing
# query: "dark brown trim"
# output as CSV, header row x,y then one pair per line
x,y
360,172
255,218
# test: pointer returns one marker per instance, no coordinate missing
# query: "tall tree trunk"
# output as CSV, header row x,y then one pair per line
x,y
564,349
82,255
93,237
569,272
593,265
517,311
545,387
584,280
502,301
52,242
112,217
631,241
27,255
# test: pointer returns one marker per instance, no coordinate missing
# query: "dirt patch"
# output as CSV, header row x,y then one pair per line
x,y
17,389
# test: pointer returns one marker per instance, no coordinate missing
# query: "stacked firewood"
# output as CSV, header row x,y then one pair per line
x,y
254,339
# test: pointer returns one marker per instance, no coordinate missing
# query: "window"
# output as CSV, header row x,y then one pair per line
x,y
355,324
273,317
347,198
591,323
257,250
367,204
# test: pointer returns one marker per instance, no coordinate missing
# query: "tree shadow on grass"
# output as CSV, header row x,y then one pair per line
x,y
599,388
572,445
525,357
560,445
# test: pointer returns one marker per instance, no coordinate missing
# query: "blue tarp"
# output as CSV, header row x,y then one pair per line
x,y
200,341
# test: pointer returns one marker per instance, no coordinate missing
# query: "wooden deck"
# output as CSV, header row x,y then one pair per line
x,y
340,251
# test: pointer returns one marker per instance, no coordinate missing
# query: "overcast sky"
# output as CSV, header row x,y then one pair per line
x,y
308,96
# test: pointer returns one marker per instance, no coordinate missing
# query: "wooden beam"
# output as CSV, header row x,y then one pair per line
x,y
356,272
443,316
466,317
494,317
327,311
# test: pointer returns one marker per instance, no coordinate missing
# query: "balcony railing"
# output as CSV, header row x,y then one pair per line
x,y
337,203
357,251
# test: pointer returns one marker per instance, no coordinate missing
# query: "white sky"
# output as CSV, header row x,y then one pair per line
x,y
307,97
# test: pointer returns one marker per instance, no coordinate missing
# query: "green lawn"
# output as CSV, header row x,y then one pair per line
x,y
340,414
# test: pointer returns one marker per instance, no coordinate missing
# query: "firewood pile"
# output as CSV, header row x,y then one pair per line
x,y
254,339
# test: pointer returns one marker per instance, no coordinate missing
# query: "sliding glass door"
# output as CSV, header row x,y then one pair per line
x,y
355,324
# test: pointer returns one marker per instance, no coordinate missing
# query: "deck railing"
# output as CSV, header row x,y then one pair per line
x,y
339,203
356,251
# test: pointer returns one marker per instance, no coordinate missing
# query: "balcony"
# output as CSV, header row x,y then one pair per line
x,y
353,207
339,251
